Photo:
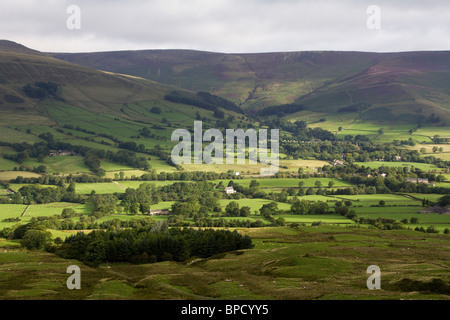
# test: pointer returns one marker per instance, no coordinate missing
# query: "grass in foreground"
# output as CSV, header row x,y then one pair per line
x,y
305,263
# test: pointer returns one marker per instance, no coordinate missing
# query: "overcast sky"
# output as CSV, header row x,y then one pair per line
x,y
230,26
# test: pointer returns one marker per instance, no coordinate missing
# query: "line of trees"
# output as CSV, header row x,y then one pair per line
x,y
40,90
26,151
37,194
202,100
65,222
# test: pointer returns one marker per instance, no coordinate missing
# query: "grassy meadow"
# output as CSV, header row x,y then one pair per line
x,y
304,263
399,164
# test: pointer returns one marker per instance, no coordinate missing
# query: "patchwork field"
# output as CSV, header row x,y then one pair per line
x,y
8,175
100,188
254,204
265,184
25,212
374,199
390,133
9,134
271,183
378,164
10,211
50,209
6,164
255,169
61,165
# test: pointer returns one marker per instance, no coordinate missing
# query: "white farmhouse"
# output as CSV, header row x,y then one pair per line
x,y
230,190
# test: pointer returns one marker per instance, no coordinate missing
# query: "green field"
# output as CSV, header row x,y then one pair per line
x,y
442,156
8,175
61,165
50,209
333,219
25,213
136,184
6,164
429,196
391,132
6,150
254,204
10,211
110,166
16,186
430,132
429,148
269,183
161,166
255,169
11,135
442,184
378,164
162,205
100,188
83,188
373,199
128,174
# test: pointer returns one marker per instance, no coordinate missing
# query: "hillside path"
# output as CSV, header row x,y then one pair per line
x,y
120,185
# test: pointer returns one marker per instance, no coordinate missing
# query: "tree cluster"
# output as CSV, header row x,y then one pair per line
x,y
202,100
41,90
301,207
146,245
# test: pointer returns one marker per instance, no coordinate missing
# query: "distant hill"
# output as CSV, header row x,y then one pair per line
x,y
81,87
13,47
407,87
99,109
24,72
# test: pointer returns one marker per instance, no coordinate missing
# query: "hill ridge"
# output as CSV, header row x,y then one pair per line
x,y
397,87
261,80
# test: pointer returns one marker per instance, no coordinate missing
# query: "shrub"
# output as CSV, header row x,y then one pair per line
x,y
156,110
435,285
36,239
432,229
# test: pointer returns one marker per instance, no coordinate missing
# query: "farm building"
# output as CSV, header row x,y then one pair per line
x,y
63,153
162,212
230,190
376,175
418,180
338,163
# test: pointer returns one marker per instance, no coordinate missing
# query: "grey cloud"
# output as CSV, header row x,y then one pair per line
x,y
227,25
